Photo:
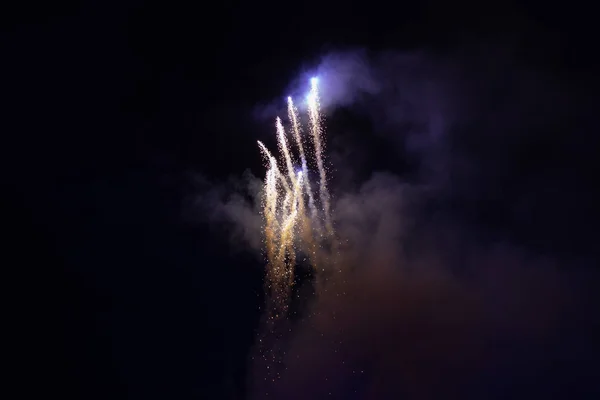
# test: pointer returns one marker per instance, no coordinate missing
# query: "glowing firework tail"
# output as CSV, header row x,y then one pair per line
x,y
293,116
307,223
270,210
317,131
283,147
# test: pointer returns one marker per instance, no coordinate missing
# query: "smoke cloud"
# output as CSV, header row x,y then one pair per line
x,y
436,320
436,312
344,77
233,208
470,282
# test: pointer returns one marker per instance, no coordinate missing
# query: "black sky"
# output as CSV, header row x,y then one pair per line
x,y
109,109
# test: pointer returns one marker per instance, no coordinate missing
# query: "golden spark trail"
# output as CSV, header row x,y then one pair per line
x,y
317,131
285,150
288,160
273,165
270,206
277,284
278,272
306,231
293,116
298,209
287,230
270,185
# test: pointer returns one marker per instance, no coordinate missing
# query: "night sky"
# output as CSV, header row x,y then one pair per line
x,y
128,126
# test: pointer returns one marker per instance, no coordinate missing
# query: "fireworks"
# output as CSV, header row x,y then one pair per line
x,y
297,225
288,228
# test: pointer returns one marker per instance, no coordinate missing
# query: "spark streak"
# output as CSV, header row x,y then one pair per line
x,y
293,116
317,131
283,147
270,210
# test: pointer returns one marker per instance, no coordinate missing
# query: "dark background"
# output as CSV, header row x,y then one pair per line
x,y
109,108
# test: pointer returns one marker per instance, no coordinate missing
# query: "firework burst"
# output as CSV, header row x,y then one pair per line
x,y
296,220
298,223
